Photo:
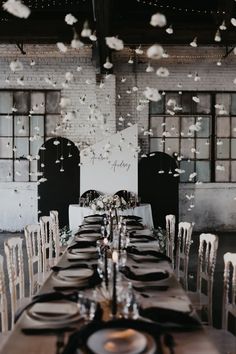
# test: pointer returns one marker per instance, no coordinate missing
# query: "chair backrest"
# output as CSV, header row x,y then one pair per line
x,y
170,236
15,268
55,231
206,267
229,293
47,243
34,251
184,241
3,299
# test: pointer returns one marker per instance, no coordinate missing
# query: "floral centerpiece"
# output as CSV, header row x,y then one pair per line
x,y
108,202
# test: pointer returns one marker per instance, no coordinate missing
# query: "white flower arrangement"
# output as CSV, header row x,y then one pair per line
x,y
106,202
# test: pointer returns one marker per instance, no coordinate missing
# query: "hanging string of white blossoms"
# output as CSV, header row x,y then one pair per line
x,y
16,8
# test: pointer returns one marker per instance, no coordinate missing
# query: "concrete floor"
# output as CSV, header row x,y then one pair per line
x,y
227,242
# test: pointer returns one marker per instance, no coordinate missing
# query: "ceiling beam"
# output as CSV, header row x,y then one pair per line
x,y
102,17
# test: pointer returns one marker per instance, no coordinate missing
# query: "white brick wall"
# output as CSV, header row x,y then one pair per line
x,y
84,129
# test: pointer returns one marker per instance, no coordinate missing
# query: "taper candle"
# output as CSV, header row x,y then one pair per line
x,y
114,299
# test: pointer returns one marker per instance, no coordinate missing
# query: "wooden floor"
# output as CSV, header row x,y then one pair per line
x,y
227,243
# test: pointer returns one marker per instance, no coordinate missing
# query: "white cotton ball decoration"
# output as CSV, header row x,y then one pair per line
x,y
233,21
62,47
69,76
139,50
16,65
107,65
156,51
149,69
158,20
70,19
194,43
152,94
114,43
76,44
169,30
16,8
162,72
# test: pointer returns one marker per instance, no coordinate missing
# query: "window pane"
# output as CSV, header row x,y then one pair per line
x,y
21,170
203,147
222,148
205,128
172,125
6,125
233,122
156,144
156,125
223,99
187,102
222,171
174,99
233,103
35,145
6,102
21,126
52,101
185,124
188,166
21,101
33,170
233,171
51,124
37,125
204,106
6,171
22,147
171,146
6,148
233,148
186,146
38,102
203,171
223,126
157,107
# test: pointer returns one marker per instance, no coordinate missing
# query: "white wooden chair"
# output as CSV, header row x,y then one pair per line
x,y
3,306
170,236
34,252
224,340
3,299
184,241
15,268
55,232
48,253
205,272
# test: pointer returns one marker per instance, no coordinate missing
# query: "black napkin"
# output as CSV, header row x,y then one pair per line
x,y
86,231
134,223
146,237
96,215
79,339
52,296
47,331
71,266
144,277
92,281
82,244
132,217
134,250
170,318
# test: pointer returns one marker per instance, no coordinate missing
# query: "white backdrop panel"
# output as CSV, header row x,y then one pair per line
x,y
112,164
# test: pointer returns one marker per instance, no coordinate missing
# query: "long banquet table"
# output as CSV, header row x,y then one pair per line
x,y
186,341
